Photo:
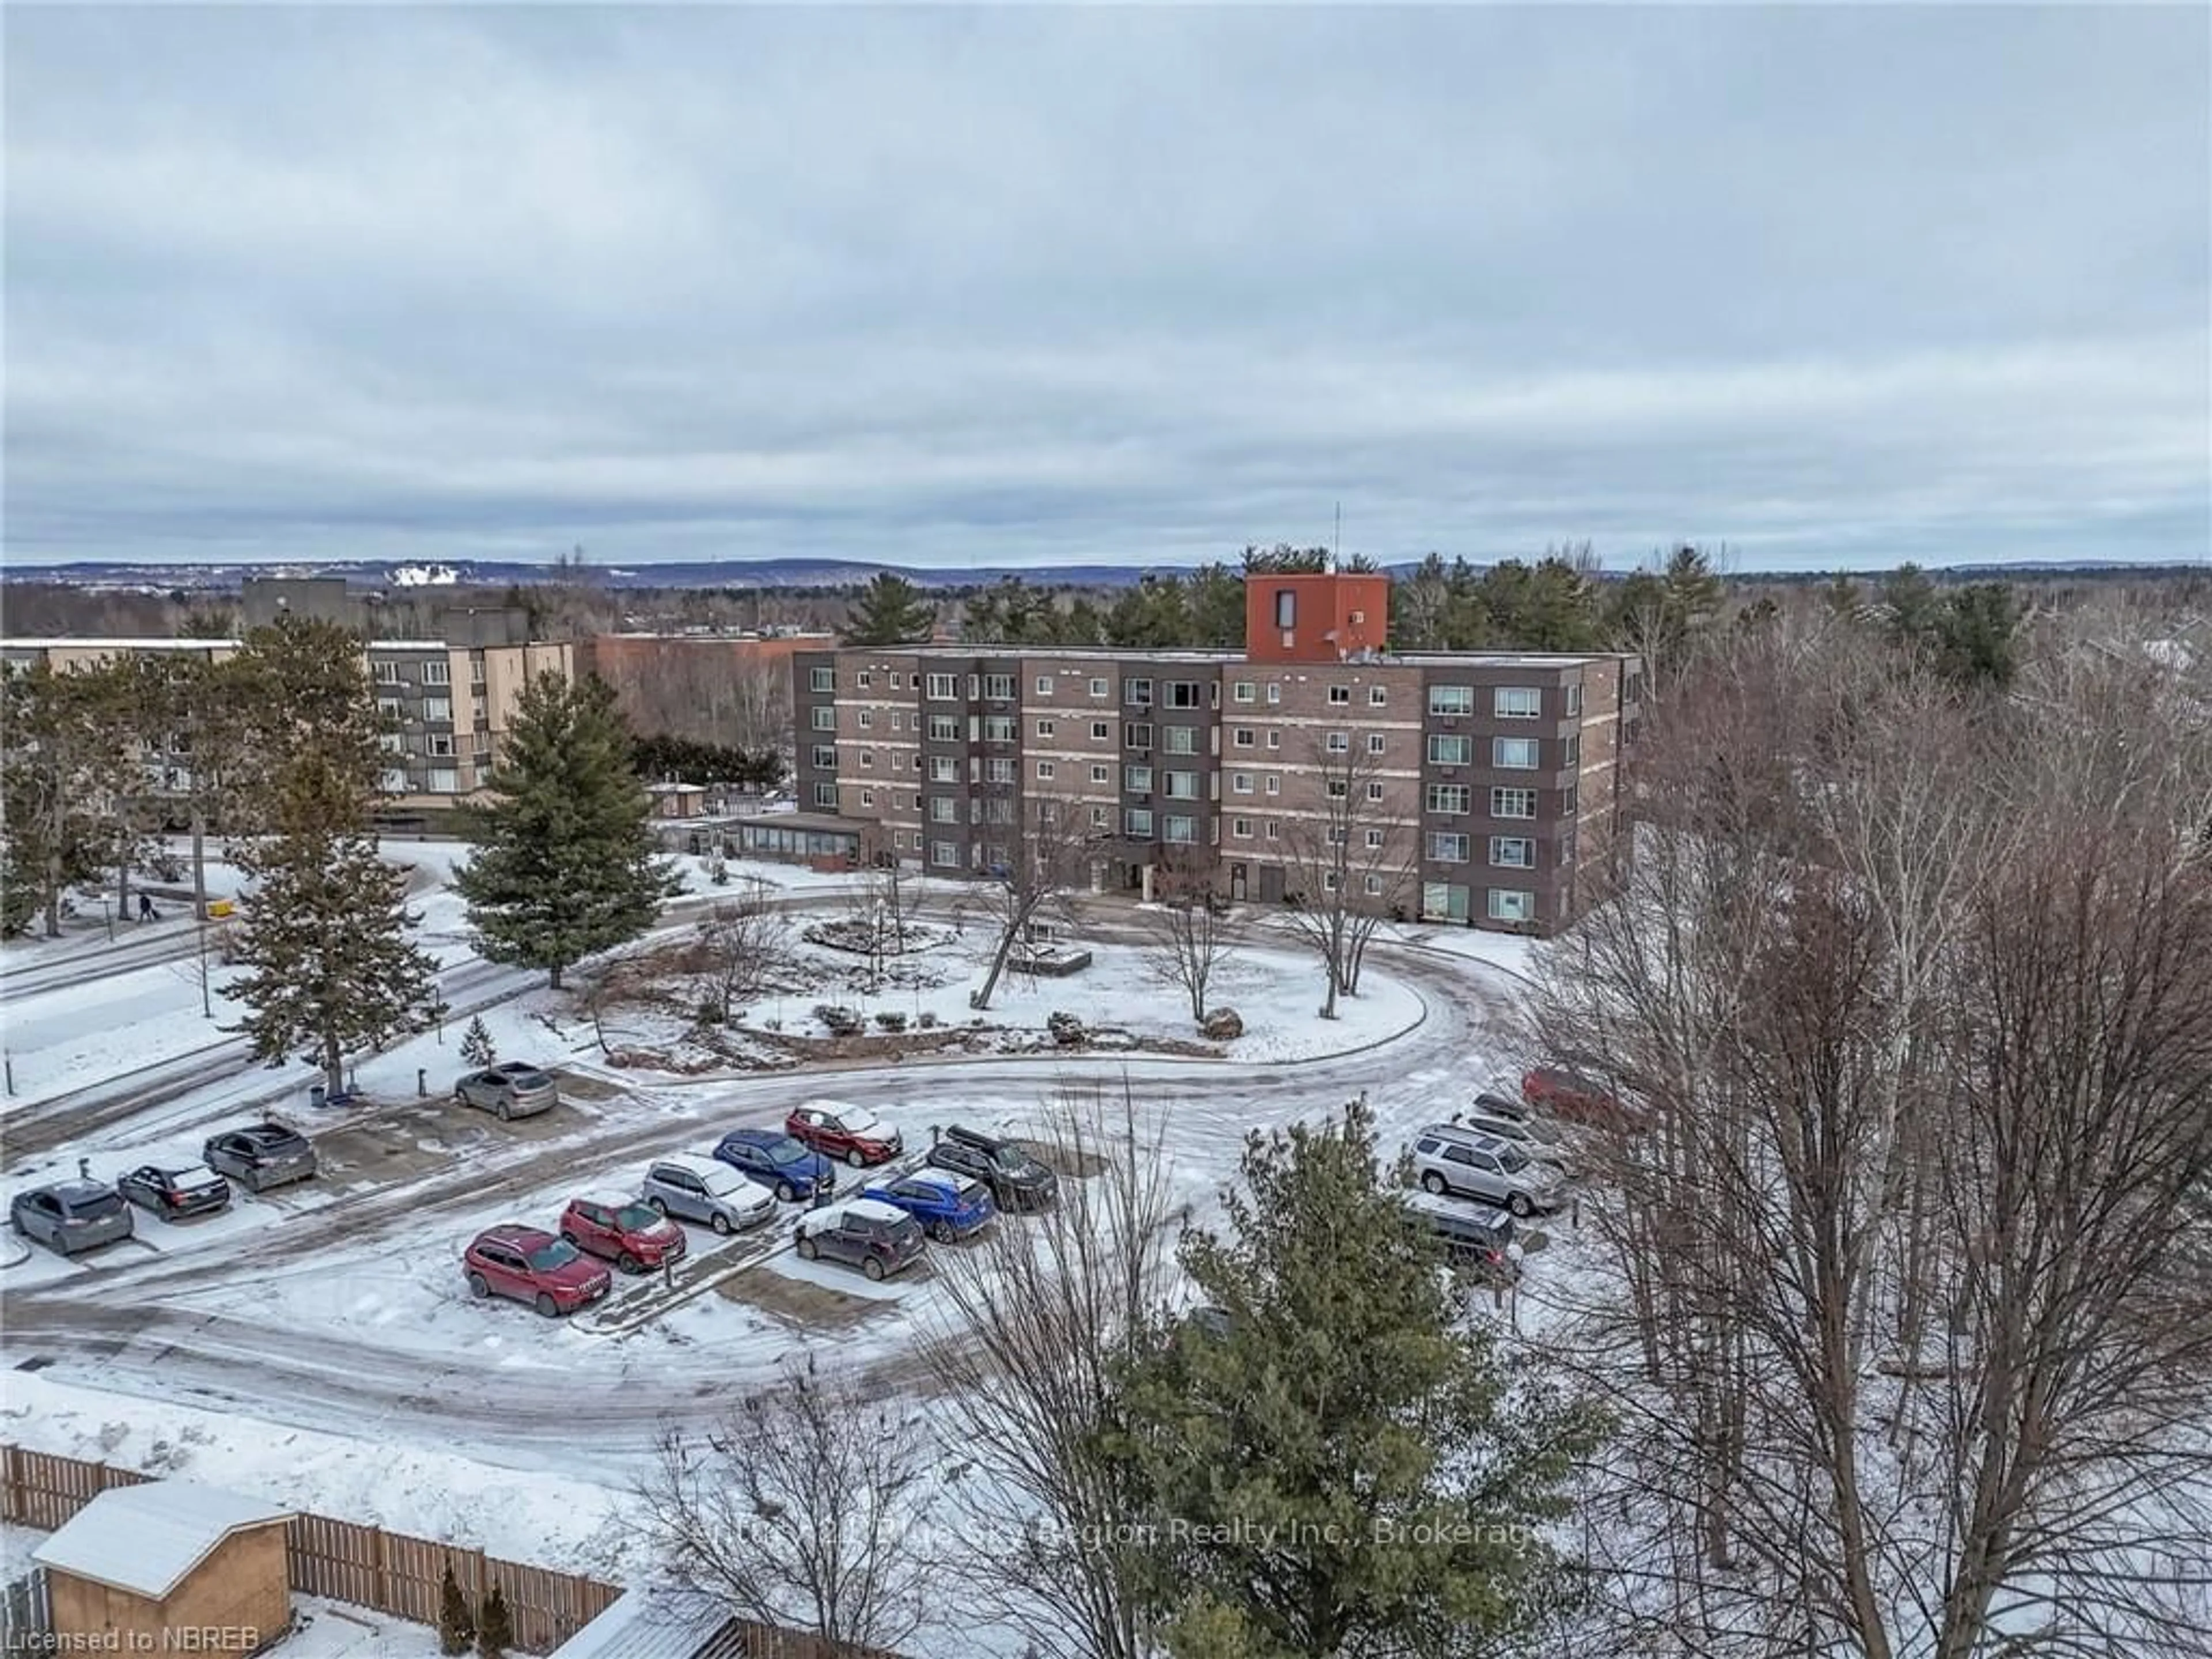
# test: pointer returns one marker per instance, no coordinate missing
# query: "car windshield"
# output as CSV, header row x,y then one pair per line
x,y
787,1151
1512,1159
1021,1165
192,1174
554,1253
528,1079
859,1122
97,1207
637,1218
722,1180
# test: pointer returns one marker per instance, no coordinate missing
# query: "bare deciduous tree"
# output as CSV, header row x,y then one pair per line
x,y
743,942
1041,1319
1350,866
1188,930
881,914
796,1508
1051,848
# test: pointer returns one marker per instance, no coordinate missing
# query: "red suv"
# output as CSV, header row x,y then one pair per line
x,y
532,1265
851,1133
628,1231
1573,1098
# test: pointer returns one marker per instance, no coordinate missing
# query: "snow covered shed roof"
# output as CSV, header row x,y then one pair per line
x,y
144,1539
658,1624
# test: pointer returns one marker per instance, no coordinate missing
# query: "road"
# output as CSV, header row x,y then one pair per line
x,y
128,1328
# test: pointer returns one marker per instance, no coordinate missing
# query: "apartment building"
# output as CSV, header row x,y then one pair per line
x,y
1476,789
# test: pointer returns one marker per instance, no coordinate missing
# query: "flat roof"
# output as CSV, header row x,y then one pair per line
x,y
825,821
72,642
144,1540
1035,653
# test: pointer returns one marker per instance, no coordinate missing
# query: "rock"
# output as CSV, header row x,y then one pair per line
x,y
1223,1025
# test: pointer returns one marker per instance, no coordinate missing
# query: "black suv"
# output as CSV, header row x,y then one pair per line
x,y
1479,1241
1016,1181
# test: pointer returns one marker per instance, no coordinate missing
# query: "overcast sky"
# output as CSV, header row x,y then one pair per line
x,y
1835,286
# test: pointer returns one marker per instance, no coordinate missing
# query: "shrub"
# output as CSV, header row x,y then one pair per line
x,y
457,1625
476,1046
891,1021
710,1011
494,1626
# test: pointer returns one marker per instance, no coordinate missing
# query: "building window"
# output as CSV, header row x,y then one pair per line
x,y
1274,783
1339,743
943,809
1100,817
1447,847
944,853
1097,688
1101,774
1100,732
1513,852
975,687
1240,829
1137,735
1181,830
1451,700
999,728
864,679
898,721
823,758
1138,693
1274,693
1328,882
393,780
1242,737
1047,813
943,768
1243,691
1573,757
386,674
1340,694
1517,702
1181,786
898,681
944,728
1136,778
1274,829
1514,754
475,668
825,796
824,718
1182,694
1374,886
388,707
1446,750
438,710
1183,740
821,679
1374,789
1044,769
393,744
1240,783
1513,803
1044,685
867,757
1450,797
445,780
1274,738
1375,743
864,718
1571,801
437,673
999,770
1512,904
441,745
1339,788
1048,728
1286,608
1137,823
1377,696
1574,698
941,687
1374,841
997,688
867,798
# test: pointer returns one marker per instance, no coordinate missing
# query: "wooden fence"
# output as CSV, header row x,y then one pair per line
x,y
366,1566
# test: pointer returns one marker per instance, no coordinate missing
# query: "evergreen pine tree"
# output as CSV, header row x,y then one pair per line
x,y
565,862
1360,1472
476,1046
457,1625
891,610
1214,605
495,1626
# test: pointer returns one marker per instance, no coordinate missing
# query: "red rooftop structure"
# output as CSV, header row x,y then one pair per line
x,y
1331,617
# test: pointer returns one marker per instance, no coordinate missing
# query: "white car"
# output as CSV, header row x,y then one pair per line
x,y
694,1187
1452,1158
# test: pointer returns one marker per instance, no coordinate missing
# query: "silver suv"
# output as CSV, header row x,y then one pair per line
x,y
1450,1158
1510,1122
692,1186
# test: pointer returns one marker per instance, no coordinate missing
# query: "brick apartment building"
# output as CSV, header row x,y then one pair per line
x,y
1481,788
453,697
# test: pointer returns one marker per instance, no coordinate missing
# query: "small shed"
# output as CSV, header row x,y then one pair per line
x,y
660,1622
137,1565
678,800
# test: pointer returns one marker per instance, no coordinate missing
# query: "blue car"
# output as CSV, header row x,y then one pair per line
x,y
776,1161
948,1205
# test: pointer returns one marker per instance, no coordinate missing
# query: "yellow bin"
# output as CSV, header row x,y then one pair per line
x,y
219,908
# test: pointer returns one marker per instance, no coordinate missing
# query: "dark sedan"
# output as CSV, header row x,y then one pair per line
x,y
176,1190
71,1217
264,1156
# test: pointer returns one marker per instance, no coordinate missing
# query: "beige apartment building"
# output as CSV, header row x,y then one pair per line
x,y
1476,789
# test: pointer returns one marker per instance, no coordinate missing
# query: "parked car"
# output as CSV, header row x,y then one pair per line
x,y
779,1163
947,1205
626,1231
264,1156
529,1264
175,1190
851,1133
1452,1158
1532,1134
704,1190
1016,1181
875,1236
511,1089
1479,1241
71,1217
1574,1098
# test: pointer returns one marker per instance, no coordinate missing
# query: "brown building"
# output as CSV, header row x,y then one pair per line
x,y
167,1566
1470,787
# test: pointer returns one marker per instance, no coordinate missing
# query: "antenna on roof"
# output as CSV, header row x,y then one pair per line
x,y
1336,541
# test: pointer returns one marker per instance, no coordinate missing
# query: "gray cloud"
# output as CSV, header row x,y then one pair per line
x,y
1019,287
